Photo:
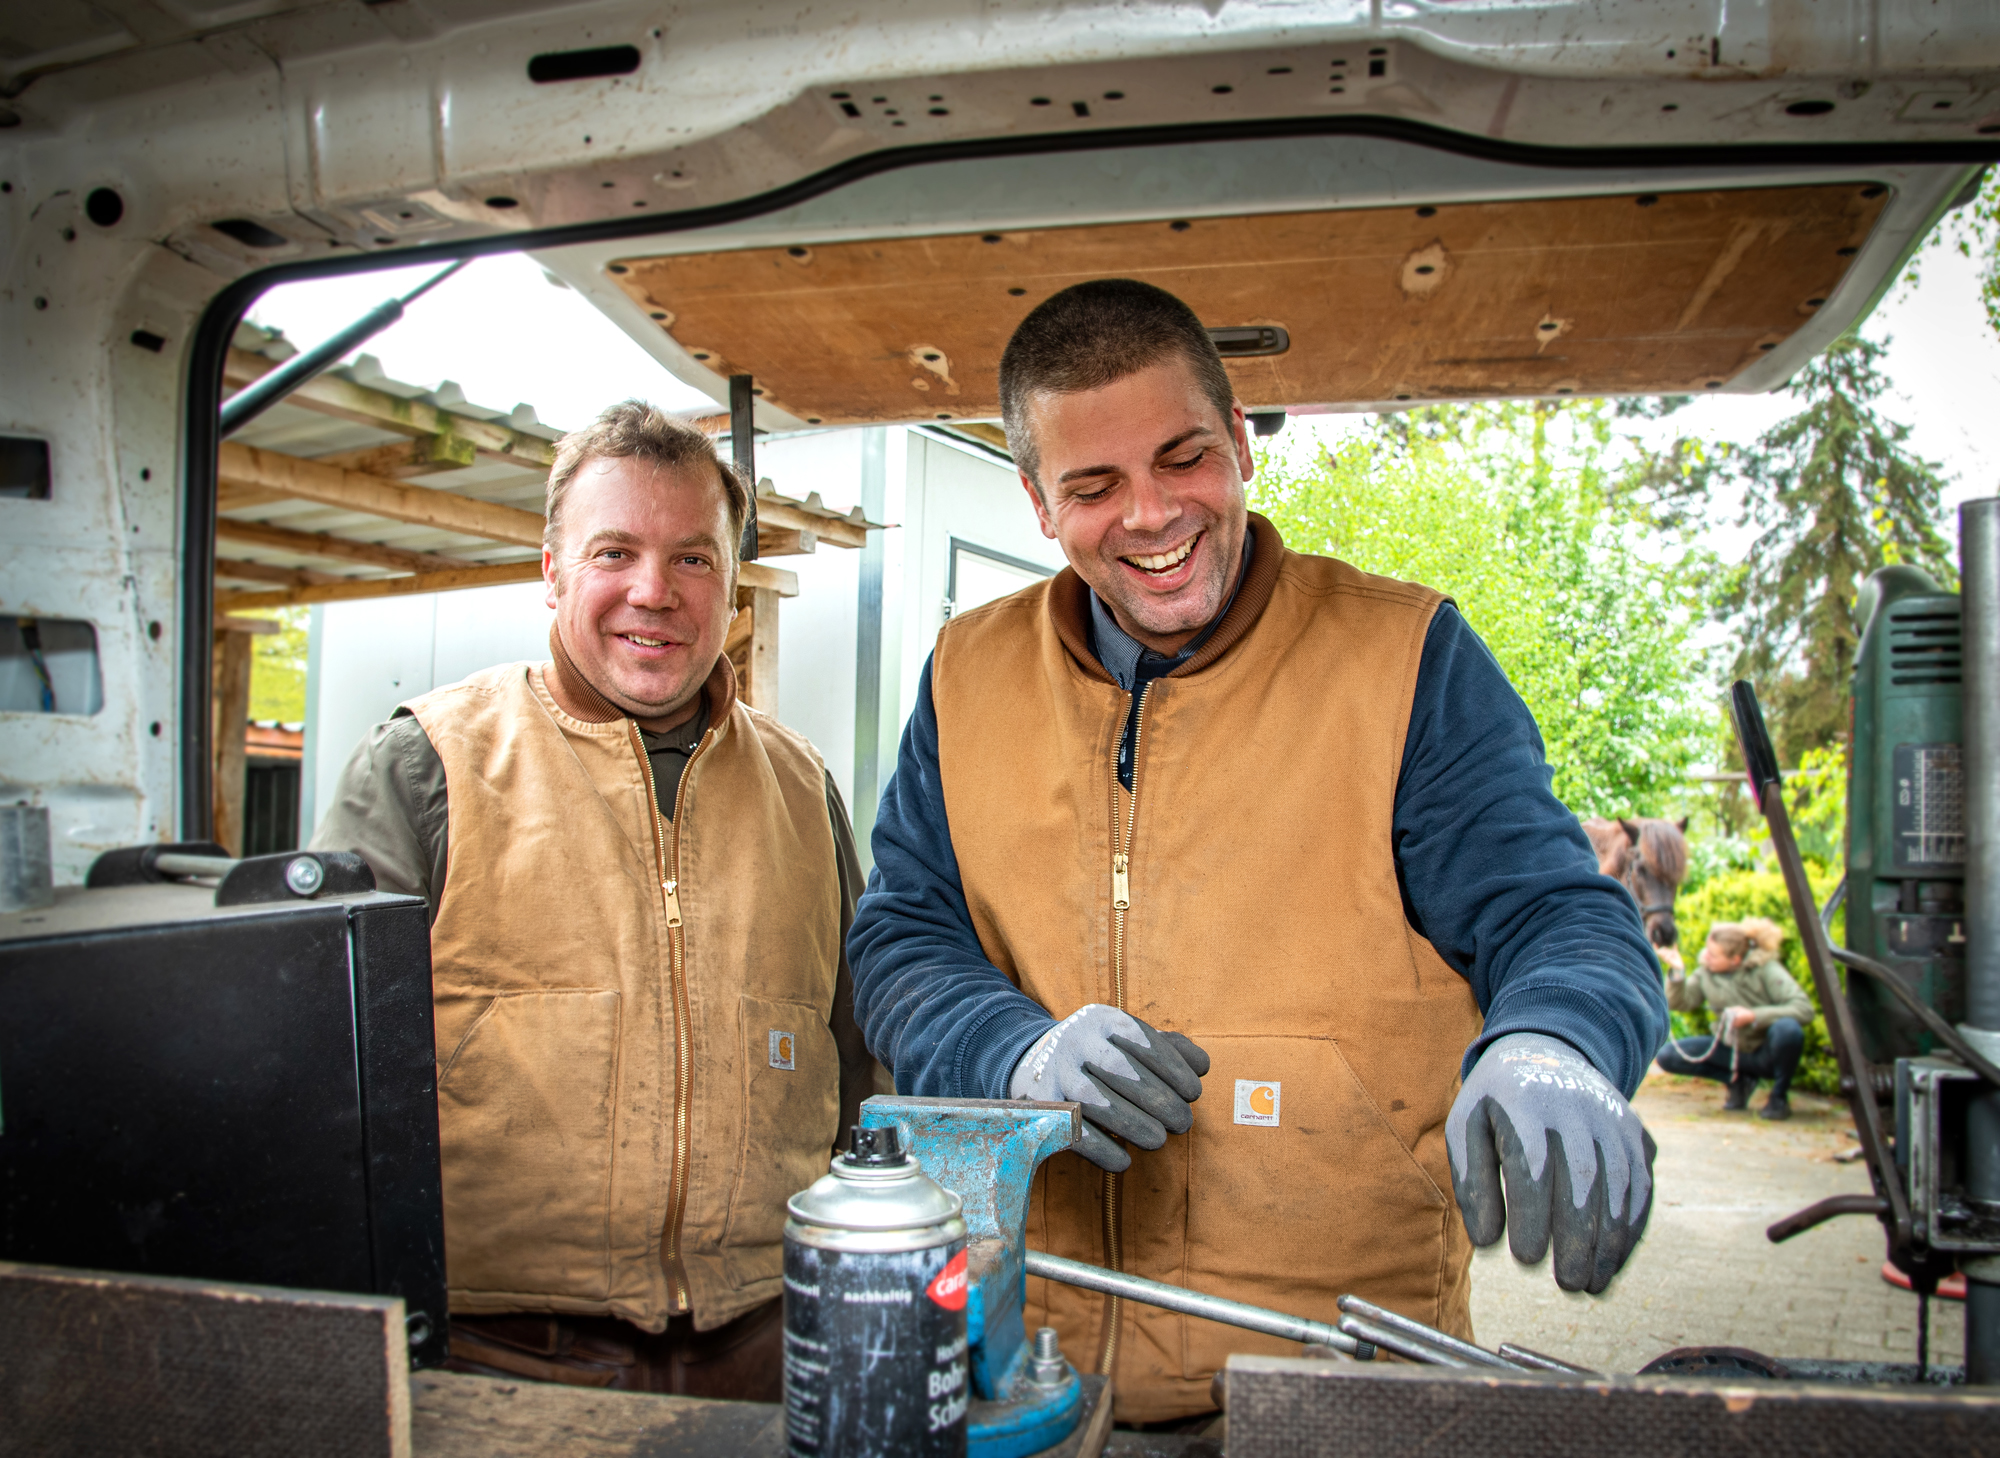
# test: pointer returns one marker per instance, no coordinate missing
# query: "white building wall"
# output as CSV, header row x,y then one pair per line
x,y
367,657
364,658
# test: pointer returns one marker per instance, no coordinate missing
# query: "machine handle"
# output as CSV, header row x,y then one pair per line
x,y
1760,761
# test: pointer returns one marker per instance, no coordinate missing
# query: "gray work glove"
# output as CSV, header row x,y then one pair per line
x,y
1577,1163
1133,1081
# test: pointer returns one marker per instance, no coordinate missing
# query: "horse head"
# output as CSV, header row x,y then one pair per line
x,y
1649,859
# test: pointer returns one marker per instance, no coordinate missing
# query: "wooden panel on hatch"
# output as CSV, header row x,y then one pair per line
x,y
1634,293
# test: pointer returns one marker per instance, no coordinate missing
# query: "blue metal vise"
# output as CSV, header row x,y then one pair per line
x,y
985,1151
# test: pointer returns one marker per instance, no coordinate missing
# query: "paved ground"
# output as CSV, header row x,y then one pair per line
x,y
1705,1274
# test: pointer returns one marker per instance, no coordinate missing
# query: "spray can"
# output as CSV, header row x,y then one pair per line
x,y
875,1291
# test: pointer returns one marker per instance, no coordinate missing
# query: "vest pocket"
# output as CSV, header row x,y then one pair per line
x,y
524,1123
788,1129
1300,1192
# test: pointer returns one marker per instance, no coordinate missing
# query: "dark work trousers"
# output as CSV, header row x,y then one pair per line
x,y
1777,1060
741,1360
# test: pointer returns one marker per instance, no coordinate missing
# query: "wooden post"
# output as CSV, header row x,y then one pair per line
x,y
232,716
757,660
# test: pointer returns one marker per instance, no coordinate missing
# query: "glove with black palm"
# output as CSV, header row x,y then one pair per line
x,y
1133,1081
1576,1164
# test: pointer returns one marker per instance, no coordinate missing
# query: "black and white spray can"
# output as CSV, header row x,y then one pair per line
x,y
875,1291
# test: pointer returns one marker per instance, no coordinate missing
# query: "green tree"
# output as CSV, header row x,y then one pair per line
x,y
1514,511
1835,493
278,669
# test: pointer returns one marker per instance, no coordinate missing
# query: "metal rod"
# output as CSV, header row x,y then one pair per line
x,y
1857,1074
1822,1211
1979,602
1538,1362
1415,1349
1832,905
1444,1341
1192,1303
261,394
743,455
175,864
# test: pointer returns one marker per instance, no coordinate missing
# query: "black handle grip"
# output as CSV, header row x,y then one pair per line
x,y
1760,761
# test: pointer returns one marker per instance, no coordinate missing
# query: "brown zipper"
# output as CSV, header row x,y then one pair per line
x,y
1121,901
667,853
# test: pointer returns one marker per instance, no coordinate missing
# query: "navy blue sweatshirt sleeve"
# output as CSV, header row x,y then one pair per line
x,y
945,1021
1500,878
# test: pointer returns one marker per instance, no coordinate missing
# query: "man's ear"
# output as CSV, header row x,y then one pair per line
x,y
1042,517
1239,432
551,576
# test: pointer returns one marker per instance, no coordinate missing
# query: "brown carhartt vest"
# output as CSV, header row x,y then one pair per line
x,y
635,1069
1262,918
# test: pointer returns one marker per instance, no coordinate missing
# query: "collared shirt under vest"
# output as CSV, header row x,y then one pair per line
x,y
1244,892
635,1063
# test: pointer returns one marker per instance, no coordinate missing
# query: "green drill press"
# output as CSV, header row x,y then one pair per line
x,y
1906,809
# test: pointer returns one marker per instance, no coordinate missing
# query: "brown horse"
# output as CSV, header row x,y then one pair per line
x,y
1649,858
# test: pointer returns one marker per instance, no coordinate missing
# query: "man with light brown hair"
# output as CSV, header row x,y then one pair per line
x,y
639,888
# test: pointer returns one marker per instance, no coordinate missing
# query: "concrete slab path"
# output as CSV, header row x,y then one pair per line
x,y
1705,1275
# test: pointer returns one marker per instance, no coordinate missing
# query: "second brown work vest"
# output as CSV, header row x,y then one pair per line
x,y
1244,893
635,1064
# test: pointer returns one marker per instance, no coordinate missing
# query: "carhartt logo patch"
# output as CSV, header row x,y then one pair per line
x,y
781,1050
1257,1102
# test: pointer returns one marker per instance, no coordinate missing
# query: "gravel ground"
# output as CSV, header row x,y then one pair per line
x,y
1705,1275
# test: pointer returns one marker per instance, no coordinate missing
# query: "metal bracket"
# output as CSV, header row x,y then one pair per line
x,y
1930,1115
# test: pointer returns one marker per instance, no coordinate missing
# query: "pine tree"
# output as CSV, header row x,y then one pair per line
x,y
1836,494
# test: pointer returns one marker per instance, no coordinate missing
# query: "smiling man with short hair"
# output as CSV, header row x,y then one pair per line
x,y
639,888
1202,815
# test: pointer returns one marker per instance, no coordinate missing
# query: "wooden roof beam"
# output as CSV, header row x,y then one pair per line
x,y
243,571
750,575
784,542
834,531
422,456
344,400
301,480
339,549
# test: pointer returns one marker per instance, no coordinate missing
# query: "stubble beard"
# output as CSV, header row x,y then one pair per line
x,y
1188,614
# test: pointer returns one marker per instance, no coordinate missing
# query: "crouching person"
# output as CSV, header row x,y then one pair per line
x,y
1761,1015
639,891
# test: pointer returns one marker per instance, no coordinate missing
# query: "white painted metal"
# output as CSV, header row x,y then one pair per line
x,y
348,128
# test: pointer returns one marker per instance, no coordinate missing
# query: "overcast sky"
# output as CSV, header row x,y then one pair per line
x,y
507,334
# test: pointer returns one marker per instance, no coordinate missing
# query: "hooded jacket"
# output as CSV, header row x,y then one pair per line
x,y
1761,983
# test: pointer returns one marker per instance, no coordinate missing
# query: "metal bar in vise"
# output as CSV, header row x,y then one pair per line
x,y
1465,1351
1193,1303
1537,1362
1414,1349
